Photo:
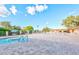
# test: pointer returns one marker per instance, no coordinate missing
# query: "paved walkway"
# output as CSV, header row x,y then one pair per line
x,y
44,44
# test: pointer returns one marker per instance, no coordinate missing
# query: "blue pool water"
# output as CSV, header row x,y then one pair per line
x,y
12,40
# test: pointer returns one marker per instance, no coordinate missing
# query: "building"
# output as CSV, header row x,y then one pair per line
x,y
58,30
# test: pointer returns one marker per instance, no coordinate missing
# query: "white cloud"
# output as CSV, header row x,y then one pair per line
x,y
13,10
37,8
3,11
40,8
31,10
45,6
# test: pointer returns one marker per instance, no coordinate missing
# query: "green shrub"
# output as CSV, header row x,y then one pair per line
x,y
2,33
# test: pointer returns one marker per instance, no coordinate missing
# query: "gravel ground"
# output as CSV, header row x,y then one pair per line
x,y
44,44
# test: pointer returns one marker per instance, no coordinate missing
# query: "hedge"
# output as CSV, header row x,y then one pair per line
x,y
3,31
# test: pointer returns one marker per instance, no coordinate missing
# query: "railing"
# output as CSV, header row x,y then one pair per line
x,y
2,37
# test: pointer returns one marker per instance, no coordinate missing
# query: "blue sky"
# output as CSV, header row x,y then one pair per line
x,y
50,15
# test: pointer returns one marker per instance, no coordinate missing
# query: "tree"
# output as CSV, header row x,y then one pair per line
x,y
3,29
70,22
46,29
5,24
77,20
15,28
28,29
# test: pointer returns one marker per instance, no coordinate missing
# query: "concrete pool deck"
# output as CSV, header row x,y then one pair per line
x,y
44,44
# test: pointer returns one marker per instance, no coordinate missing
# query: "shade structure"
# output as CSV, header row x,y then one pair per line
x,y
14,31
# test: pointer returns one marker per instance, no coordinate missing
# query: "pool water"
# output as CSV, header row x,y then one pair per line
x,y
12,40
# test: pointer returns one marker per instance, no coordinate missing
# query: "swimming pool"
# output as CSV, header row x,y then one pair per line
x,y
13,40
